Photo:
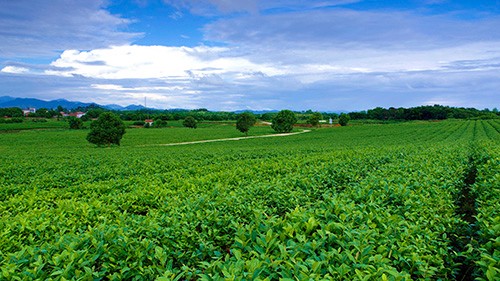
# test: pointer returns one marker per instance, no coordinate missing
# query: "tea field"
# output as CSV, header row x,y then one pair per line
x,y
405,201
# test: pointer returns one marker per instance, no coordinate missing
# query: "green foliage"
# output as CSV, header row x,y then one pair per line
x,y
427,112
190,122
289,208
11,120
108,129
267,116
245,121
11,112
487,187
92,113
75,123
314,119
159,123
44,113
343,119
283,122
39,120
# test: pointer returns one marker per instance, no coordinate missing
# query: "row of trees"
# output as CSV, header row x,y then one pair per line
x,y
434,112
283,121
109,129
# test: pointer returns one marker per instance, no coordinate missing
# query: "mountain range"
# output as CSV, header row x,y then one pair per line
x,y
7,101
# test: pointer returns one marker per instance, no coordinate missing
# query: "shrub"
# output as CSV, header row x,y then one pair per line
x,y
75,123
108,129
245,122
190,122
344,119
39,120
12,120
159,123
283,122
314,119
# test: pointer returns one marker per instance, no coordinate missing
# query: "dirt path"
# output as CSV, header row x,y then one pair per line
x,y
230,139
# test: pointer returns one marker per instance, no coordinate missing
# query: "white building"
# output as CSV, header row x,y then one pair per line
x,y
27,111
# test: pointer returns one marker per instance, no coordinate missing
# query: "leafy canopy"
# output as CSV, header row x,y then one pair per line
x,y
190,122
344,119
75,123
245,121
314,119
108,129
283,122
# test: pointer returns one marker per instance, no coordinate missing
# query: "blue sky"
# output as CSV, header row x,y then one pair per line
x,y
253,54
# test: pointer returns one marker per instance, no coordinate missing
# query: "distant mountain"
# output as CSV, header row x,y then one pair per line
x,y
134,107
128,107
256,111
113,106
36,103
6,101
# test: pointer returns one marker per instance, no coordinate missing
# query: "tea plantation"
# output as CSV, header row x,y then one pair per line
x,y
407,201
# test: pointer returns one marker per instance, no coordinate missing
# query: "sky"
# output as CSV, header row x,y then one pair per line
x,y
324,55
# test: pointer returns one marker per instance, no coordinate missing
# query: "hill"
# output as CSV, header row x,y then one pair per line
x,y
7,101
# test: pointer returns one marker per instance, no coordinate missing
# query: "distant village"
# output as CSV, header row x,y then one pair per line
x,y
32,110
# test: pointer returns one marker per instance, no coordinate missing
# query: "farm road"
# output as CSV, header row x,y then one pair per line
x,y
230,139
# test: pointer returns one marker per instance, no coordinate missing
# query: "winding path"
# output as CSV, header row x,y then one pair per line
x,y
230,139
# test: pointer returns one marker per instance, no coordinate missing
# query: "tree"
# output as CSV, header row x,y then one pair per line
x,y
283,122
314,119
268,116
108,129
159,123
91,114
75,123
344,119
245,121
190,122
11,112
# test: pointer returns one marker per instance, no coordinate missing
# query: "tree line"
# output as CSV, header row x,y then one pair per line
x,y
434,112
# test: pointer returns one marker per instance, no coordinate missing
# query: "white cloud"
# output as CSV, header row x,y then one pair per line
x,y
214,7
161,62
14,69
114,87
304,58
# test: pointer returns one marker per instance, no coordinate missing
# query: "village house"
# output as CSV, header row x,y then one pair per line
x,y
149,122
78,114
27,111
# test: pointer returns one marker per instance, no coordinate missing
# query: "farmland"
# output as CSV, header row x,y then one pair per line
x,y
404,201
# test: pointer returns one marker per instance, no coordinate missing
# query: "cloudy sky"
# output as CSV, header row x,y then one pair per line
x,y
253,54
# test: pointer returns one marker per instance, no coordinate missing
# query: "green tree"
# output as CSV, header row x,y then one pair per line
x,y
245,121
344,119
268,116
108,129
159,123
314,119
283,122
94,113
11,112
190,122
75,123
